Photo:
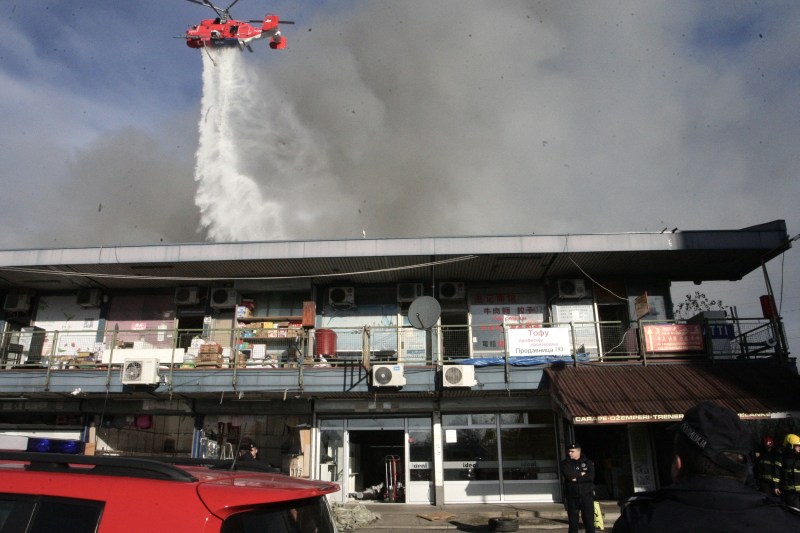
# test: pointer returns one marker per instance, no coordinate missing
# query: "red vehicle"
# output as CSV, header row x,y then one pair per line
x,y
225,31
88,494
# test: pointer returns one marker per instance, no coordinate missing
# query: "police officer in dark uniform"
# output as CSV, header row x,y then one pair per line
x,y
578,474
709,468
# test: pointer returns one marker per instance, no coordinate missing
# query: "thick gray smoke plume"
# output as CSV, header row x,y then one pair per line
x,y
404,119
409,119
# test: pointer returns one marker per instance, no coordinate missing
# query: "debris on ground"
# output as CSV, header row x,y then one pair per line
x,y
437,515
353,517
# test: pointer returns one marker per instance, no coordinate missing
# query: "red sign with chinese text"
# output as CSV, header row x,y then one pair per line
x,y
673,338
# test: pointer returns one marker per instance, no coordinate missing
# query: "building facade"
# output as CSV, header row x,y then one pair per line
x,y
433,370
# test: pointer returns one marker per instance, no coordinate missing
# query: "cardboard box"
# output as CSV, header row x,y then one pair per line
x,y
309,314
210,358
210,348
243,312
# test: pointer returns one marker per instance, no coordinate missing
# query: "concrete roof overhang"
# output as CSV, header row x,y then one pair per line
x,y
677,256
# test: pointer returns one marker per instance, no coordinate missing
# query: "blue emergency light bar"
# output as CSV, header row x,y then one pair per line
x,y
45,445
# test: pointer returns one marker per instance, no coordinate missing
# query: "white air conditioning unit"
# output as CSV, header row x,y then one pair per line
x,y
571,288
451,290
17,301
408,292
222,298
342,296
187,295
458,376
140,371
89,298
388,375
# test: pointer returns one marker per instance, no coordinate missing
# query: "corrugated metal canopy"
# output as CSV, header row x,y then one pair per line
x,y
680,256
607,393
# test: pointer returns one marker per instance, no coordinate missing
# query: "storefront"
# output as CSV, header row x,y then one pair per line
x,y
383,459
624,415
467,457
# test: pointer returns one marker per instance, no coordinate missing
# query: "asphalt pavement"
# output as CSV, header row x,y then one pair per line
x,y
475,518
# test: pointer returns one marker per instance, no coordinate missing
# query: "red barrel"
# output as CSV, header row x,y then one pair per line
x,y
325,343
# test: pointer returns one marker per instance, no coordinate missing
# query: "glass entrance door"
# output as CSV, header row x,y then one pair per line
x,y
378,459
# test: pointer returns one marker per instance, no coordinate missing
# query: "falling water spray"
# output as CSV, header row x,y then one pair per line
x,y
234,130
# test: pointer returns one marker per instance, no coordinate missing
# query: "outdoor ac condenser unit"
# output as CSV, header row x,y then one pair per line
x,y
458,376
222,297
187,295
408,292
342,296
17,301
571,288
140,371
388,375
89,298
451,290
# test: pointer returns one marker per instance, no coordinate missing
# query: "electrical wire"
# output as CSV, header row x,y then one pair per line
x,y
612,293
187,278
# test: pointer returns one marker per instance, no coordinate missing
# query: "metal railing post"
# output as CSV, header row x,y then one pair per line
x,y
506,353
641,341
175,341
111,357
51,359
365,347
574,343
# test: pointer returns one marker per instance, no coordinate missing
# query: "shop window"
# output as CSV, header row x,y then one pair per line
x,y
419,423
529,453
470,454
484,419
507,419
331,457
375,423
455,420
331,424
420,449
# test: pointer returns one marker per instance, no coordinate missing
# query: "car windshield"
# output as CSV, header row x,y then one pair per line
x,y
300,516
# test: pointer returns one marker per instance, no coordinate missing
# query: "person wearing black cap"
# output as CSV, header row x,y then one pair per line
x,y
709,468
577,473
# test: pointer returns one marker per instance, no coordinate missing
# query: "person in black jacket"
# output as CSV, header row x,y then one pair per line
x,y
788,468
766,461
711,450
577,472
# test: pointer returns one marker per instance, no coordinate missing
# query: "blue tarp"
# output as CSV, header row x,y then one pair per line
x,y
523,361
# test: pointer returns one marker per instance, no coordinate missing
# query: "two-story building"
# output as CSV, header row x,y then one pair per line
x,y
441,370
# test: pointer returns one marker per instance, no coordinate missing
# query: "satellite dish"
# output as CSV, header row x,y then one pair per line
x,y
423,313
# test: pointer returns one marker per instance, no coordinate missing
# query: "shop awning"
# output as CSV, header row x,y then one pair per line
x,y
603,393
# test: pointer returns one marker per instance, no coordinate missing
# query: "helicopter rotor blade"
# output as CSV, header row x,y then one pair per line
x,y
279,21
231,5
223,14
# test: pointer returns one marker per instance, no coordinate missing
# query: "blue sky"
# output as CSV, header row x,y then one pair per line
x,y
412,118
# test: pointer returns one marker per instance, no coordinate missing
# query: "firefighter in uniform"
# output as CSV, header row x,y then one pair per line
x,y
710,465
788,469
766,461
578,474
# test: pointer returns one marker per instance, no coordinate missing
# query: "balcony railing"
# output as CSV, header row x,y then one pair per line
x,y
249,348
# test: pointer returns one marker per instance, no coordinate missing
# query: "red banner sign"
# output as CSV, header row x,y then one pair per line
x,y
673,338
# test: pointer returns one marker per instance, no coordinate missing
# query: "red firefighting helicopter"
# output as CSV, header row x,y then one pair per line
x,y
225,31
